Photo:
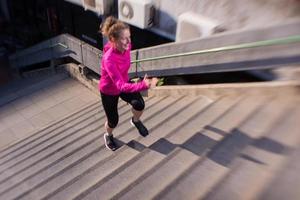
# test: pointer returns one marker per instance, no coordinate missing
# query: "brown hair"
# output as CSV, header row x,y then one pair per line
x,y
112,27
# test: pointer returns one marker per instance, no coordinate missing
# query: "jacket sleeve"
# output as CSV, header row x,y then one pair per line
x,y
117,79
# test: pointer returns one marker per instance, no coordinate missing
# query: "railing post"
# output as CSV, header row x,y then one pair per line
x,y
16,70
53,65
52,61
136,64
81,51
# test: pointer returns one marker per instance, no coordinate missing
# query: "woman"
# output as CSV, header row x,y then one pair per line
x,y
114,82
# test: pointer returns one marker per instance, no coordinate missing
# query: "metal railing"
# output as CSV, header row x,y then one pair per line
x,y
48,47
59,44
91,57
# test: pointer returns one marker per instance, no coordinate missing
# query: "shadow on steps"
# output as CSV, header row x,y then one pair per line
x,y
223,153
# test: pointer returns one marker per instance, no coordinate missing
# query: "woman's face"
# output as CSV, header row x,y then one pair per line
x,y
122,43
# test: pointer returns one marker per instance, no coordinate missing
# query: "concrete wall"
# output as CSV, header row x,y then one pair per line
x,y
233,14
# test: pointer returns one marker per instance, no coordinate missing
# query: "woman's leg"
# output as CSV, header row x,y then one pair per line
x,y
137,102
108,129
110,105
136,114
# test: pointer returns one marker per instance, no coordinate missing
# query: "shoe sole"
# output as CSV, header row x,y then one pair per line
x,y
132,123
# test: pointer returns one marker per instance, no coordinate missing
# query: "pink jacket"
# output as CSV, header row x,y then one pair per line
x,y
114,72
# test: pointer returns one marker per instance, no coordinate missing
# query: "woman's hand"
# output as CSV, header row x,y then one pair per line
x,y
154,81
150,82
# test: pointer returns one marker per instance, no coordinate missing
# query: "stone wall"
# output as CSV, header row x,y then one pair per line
x,y
233,14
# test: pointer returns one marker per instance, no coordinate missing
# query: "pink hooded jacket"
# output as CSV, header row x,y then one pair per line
x,y
114,72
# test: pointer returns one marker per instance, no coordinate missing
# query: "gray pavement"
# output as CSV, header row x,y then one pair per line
x,y
28,105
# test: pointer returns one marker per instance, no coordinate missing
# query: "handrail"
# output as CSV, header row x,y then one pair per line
x,y
48,47
36,50
94,64
59,44
285,40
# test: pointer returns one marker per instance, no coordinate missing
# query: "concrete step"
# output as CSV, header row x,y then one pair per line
x,y
184,107
201,120
59,188
216,146
46,170
197,148
172,120
33,167
137,190
63,129
122,177
259,162
34,170
286,184
159,176
149,114
46,133
30,165
73,187
67,136
169,118
52,137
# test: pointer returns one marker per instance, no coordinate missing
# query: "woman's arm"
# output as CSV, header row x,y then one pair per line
x,y
117,79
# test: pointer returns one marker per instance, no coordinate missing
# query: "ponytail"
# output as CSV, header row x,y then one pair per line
x,y
112,27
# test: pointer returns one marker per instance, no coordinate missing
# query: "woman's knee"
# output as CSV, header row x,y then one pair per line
x,y
138,105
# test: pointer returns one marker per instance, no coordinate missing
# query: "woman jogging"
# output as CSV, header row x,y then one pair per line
x,y
114,81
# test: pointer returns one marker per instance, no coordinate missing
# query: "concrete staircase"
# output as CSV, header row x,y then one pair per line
x,y
230,146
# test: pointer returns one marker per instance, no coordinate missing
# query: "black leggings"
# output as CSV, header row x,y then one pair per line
x,y
110,105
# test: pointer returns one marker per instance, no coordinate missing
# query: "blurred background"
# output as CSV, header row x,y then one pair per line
x,y
28,22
